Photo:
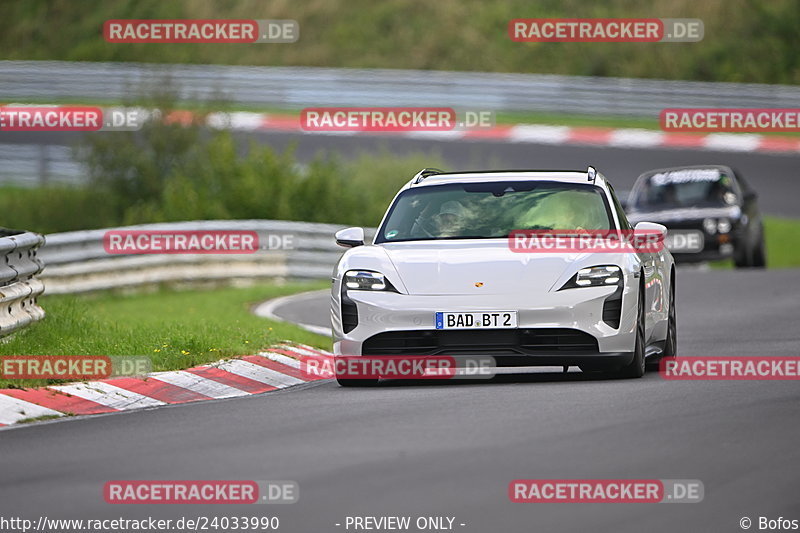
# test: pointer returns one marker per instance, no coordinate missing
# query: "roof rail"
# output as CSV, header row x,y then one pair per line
x,y
424,173
591,173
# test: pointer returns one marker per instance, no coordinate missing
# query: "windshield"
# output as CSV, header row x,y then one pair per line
x,y
493,210
685,188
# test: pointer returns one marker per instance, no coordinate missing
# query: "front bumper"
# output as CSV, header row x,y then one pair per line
x,y
540,317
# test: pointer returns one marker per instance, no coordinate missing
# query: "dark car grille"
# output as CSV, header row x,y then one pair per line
x,y
487,342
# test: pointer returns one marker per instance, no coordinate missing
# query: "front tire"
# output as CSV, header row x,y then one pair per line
x,y
751,254
671,342
636,368
741,257
760,254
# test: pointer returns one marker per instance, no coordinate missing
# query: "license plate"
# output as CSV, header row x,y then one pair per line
x,y
477,320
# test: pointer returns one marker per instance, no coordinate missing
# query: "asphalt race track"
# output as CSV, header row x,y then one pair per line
x,y
451,449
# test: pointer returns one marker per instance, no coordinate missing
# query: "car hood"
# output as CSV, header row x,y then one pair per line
x,y
477,267
684,213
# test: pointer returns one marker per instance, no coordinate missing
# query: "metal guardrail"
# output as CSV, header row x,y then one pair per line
x,y
40,164
77,261
297,87
19,288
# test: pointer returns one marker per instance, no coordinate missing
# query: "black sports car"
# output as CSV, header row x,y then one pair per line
x,y
710,210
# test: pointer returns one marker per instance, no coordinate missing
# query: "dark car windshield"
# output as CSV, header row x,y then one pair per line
x,y
493,209
684,188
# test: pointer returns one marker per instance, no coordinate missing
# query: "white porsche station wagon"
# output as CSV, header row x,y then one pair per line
x,y
441,277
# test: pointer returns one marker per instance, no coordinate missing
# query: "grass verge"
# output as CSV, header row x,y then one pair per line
x,y
783,244
42,418
175,329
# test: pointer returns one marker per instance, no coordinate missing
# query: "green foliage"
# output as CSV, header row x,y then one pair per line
x,y
170,172
55,208
745,40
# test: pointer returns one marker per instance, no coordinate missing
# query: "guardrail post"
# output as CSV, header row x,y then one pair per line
x,y
19,286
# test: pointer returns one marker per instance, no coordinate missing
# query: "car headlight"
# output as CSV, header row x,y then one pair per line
x,y
596,276
366,280
723,225
710,225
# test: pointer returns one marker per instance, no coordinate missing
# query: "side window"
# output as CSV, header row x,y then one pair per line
x,y
623,220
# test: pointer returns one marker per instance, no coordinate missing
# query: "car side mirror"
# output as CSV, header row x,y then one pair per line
x,y
350,237
652,227
750,195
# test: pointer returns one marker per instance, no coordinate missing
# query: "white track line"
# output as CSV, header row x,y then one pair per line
x,y
199,384
267,310
539,134
259,373
449,135
236,121
109,395
282,359
636,138
733,142
13,410
301,351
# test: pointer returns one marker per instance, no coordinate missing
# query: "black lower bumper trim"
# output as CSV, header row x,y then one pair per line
x,y
595,359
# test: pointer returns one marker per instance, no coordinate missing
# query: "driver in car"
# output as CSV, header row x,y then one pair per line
x,y
450,218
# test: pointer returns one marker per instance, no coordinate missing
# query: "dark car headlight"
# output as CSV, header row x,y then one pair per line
x,y
366,280
713,226
596,276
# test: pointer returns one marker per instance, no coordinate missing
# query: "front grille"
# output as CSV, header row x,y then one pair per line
x,y
525,341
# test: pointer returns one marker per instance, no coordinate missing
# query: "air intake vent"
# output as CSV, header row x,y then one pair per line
x,y
349,312
523,341
612,309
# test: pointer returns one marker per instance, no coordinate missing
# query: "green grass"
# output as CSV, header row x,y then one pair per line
x,y
175,329
783,244
42,418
